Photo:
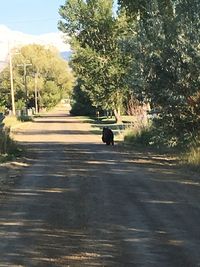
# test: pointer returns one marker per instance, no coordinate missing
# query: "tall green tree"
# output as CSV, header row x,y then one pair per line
x,y
166,46
97,59
81,103
5,98
41,68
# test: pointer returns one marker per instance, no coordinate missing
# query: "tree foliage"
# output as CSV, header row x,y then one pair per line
x,y
39,68
81,103
166,49
148,52
97,60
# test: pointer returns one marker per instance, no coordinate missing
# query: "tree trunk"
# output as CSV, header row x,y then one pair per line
x,y
117,116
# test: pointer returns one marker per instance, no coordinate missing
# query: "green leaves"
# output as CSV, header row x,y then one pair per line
x,y
42,67
149,51
97,60
165,56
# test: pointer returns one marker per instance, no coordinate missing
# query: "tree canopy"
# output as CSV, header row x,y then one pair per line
x,y
149,52
167,50
36,67
97,60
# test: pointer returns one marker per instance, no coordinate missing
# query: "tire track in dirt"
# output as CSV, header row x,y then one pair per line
x,y
81,203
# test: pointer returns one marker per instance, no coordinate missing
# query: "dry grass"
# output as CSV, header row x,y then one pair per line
x,y
11,121
193,157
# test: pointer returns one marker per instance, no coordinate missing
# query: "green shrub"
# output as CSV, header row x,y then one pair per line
x,y
138,136
20,104
81,104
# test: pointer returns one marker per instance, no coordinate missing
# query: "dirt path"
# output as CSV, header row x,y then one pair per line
x,y
81,203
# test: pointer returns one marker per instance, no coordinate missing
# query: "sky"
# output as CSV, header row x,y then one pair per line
x,y
30,21
30,16
24,22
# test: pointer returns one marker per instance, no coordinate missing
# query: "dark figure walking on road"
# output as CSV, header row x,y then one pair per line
x,y
107,136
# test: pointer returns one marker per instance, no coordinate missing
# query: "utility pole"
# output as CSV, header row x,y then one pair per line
x,y
24,65
36,93
11,82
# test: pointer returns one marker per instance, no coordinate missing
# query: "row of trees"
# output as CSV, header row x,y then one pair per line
x,y
147,51
39,74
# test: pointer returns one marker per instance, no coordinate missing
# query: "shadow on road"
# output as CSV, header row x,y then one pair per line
x,y
94,205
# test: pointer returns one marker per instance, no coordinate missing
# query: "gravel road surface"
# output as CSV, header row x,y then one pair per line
x,y
80,203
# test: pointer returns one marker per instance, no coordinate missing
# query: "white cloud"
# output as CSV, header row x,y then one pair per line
x,y
15,38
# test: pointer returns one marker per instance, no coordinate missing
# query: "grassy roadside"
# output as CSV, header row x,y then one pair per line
x,y
126,136
9,149
191,159
13,158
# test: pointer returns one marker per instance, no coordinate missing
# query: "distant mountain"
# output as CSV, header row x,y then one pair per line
x,y
15,38
66,55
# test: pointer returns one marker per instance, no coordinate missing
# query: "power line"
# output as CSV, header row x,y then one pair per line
x,y
32,20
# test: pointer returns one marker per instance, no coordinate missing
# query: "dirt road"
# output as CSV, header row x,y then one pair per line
x,y
82,203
